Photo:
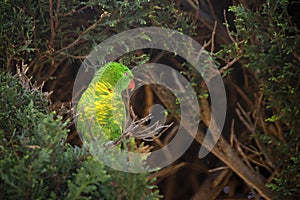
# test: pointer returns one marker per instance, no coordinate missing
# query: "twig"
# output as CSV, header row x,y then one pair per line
x,y
296,56
227,29
213,38
239,112
148,98
241,152
212,10
243,95
21,73
93,26
77,57
25,81
230,64
75,11
217,169
246,120
134,130
52,28
232,133
213,185
194,4
167,171
206,44
57,13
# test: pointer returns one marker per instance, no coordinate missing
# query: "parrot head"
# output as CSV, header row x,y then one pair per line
x,y
117,75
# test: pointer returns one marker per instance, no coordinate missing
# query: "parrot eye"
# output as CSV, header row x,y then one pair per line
x,y
126,74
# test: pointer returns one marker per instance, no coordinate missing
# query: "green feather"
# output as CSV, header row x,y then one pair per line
x,y
101,108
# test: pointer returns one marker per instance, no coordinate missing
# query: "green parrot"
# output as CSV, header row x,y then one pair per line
x,y
100,109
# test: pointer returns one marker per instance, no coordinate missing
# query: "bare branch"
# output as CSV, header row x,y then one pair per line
x,y
227,28
52,28
137,129
230,64
93,26
75,11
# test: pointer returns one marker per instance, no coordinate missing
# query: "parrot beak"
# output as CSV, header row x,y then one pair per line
x,y
131,85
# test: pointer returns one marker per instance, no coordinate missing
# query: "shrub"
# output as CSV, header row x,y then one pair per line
x,y
268,42
35,162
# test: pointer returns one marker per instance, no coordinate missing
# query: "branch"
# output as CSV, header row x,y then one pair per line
x,y
75,11
93,26
246,120
57,13
227,29
230,64
228,155
137,129
52,28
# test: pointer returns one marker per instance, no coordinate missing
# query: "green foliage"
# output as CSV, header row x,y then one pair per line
x,y
45,34
87,181
119,190
35,162
269,44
